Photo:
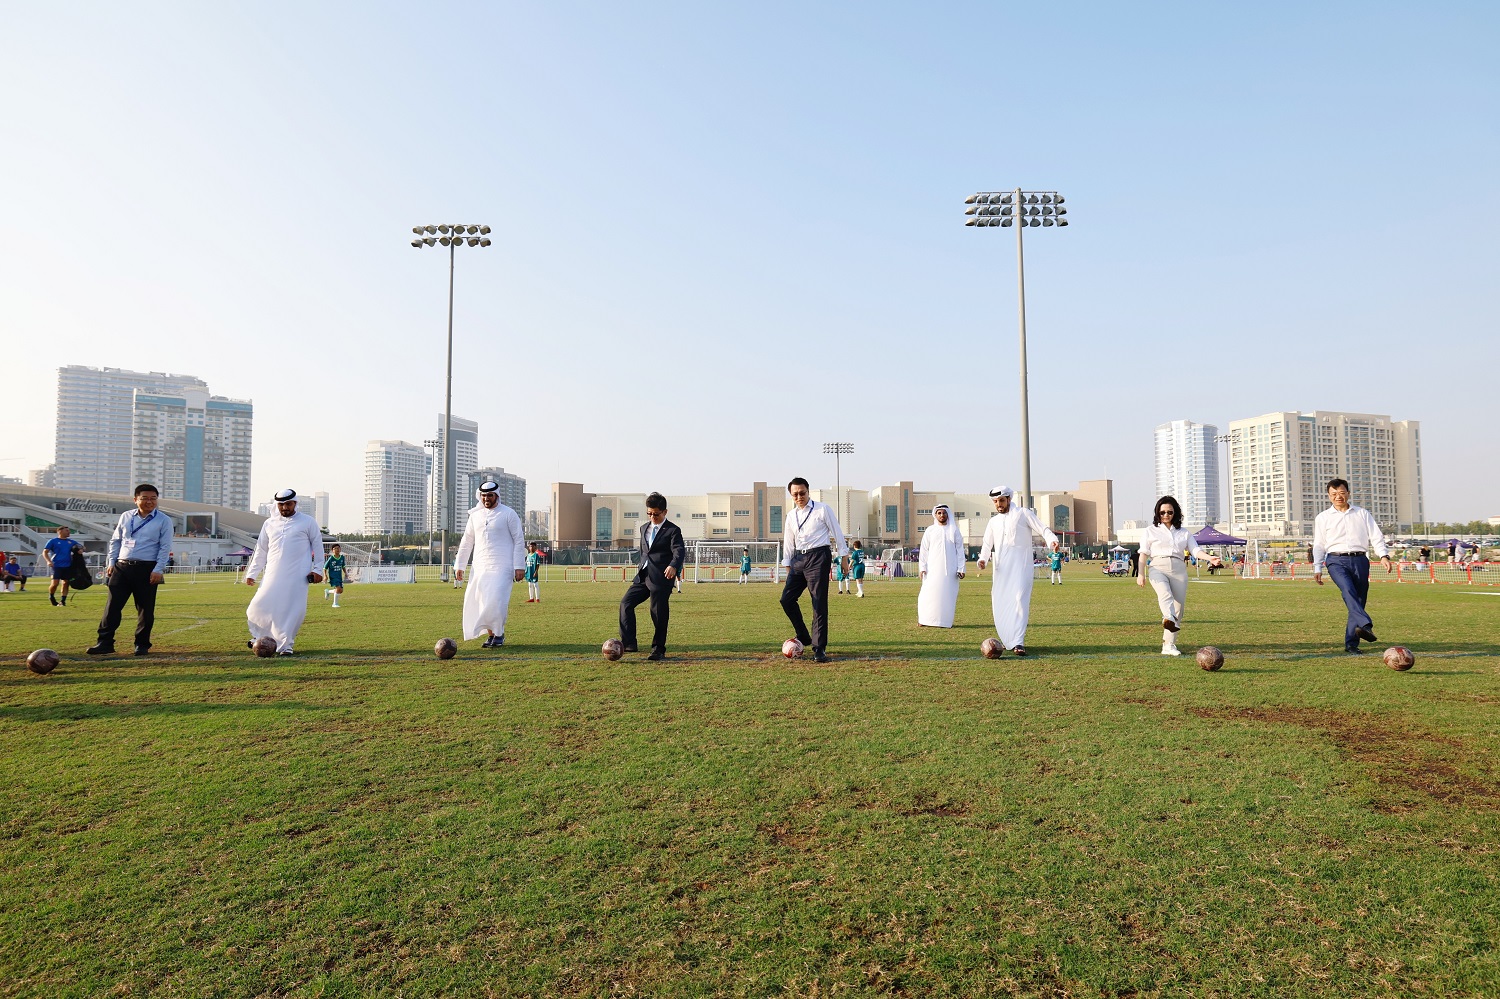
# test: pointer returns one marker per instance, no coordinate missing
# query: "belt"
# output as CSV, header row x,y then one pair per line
x,y
808,551
136,561
1346,554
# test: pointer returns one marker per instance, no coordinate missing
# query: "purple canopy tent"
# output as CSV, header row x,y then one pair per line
x,y
1210,536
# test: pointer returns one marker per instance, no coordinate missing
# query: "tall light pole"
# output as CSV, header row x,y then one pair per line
x,y
838,449
1226,440
432,446
451,236
1020,209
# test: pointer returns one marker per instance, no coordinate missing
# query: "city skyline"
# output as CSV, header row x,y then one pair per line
x,y
798,208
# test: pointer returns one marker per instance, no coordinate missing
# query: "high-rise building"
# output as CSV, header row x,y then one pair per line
x,y
1280,464
1187,468
96,423
193,446
43,478
512,487
396,487
465,461
318,507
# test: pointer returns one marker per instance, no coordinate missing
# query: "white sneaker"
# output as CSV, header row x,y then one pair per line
x,y
1168,649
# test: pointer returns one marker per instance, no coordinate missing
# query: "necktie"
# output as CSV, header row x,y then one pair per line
x,y
651,536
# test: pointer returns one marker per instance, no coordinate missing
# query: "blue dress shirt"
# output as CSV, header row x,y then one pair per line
x,y
147,539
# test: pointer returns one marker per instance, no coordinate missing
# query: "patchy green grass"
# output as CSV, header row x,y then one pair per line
x,y
910,819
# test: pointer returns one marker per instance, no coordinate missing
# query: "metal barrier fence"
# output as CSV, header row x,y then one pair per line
x,y
1452,573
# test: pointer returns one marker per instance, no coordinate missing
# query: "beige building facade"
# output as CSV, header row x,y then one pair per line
x,y
889,516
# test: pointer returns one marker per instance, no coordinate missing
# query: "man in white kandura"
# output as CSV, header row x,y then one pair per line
x,y
1008,537
288,556
942,565
495,538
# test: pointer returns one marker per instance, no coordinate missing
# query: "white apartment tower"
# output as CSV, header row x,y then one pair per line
x,y
1187,468
96,423
465,463
396,488
193,446
1280,464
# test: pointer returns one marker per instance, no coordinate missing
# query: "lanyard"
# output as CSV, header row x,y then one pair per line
x,y
143,523
804,518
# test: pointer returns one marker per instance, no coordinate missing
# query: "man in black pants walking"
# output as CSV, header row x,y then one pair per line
x,y
662,552
811,536
138,553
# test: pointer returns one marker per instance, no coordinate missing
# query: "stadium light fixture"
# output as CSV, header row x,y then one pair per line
x,y
838,449
1020,210
448,517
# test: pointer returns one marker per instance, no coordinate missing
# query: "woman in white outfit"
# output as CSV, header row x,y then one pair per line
x,y
942,566
1162,547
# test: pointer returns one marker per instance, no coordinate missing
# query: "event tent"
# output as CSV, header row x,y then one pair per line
x,y
1210,536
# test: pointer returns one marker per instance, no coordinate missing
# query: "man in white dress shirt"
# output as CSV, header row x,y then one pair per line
x,y
496,540
811,538
1343,536
289,552
1008,537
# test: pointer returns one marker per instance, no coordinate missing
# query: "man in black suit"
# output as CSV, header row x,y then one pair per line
x,y
661,562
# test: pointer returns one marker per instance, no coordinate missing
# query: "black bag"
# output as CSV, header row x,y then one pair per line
x,y
82,578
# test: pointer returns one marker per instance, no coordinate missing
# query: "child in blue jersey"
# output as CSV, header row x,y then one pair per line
x,y
533,574
839,576
745,567
857,566
59,553
333,571
1054,562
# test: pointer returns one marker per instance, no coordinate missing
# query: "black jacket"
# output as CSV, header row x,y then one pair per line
x,y
667,550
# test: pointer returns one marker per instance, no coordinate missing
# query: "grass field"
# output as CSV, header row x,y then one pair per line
x,y
908,820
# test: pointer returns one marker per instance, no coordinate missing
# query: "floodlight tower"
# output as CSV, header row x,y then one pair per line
x,y
1226,440
451,236
1020,209
432,505
838,449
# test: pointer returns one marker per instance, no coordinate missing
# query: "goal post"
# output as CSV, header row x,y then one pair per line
x,y
719,561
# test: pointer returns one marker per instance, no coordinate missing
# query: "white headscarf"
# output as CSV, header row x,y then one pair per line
x,y
949,531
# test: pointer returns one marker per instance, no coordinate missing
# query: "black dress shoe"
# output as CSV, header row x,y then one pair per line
x,y
629,648
819,656
1356,651
101,650
142,650
656,657
1368,634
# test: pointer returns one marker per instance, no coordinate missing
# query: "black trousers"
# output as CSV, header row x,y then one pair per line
x,y
644,588
809,571
130,579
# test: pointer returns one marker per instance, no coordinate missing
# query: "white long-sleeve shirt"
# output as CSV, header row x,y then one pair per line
x,y
1338,531
812,526
1014,530
1161,541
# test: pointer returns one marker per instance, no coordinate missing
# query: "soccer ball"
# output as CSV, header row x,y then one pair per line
x,y
991,648
791,648
1210,658
265,647
613,649
1398,658
446,648
42,661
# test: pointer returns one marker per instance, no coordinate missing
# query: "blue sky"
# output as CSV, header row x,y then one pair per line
x,y
726,235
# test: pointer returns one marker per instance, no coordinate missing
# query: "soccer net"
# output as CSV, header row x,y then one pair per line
x,y
719,561
614,556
